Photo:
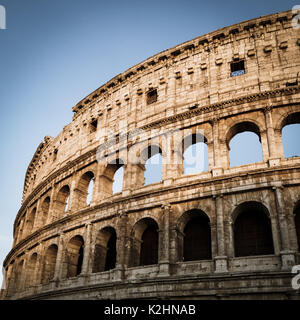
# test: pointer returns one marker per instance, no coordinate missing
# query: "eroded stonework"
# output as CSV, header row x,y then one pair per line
x,y
240,78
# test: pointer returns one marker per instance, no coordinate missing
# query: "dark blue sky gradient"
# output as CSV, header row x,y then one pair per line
x,y
55,52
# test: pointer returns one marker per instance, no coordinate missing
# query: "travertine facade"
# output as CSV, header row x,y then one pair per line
x,y
240,78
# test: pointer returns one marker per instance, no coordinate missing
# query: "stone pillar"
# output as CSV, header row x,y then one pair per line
x,y
173,245
278,142
219,161
86,263
164,252
171,96
94,192
221,258
287,256
51,214
274,157
127,187
122,248
38,217
39,265
59,266
292,230
73,196
20,230
10,280
21,286
173,160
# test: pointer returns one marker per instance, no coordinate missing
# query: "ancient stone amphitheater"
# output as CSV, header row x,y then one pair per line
x,y
224,233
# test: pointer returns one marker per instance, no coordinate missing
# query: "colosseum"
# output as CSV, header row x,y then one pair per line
x,y
227,232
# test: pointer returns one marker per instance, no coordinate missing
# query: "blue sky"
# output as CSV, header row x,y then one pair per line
x,y
53,53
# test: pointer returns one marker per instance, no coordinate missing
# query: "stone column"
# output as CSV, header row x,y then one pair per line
x,y
122,250
73,196
221,258
95,186
274,157
58,274
164,252
38,217
10,280
287,256
173,160
39,265
219,160
51,213
86,263
171,96
20,230
21,286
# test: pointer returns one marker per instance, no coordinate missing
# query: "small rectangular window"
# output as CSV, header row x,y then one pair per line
x,y
152,96
237,68
94,125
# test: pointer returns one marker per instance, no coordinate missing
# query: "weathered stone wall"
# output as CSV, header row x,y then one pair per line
x,y
195,93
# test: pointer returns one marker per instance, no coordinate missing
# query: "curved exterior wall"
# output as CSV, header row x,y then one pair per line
x,y
195,93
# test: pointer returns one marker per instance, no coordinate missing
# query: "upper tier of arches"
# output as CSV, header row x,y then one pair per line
x,y
195,78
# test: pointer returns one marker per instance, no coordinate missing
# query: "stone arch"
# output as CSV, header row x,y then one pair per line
x,y
30,221
105,252
183,208
194,236
252,230
144,242
82,189
49,263
297,222
107,178
31,271
62,200
292,117
240,128
290,120
74,256
45,207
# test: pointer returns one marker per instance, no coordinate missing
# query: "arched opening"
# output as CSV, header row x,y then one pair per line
x,y
297,222
90,192
252,230
118,180
75,256
30,271
105,253
152,157
244,144
145,243
197,237
290,133
85,189
48,270
30,220
112,178
45,210
62,201
195,154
